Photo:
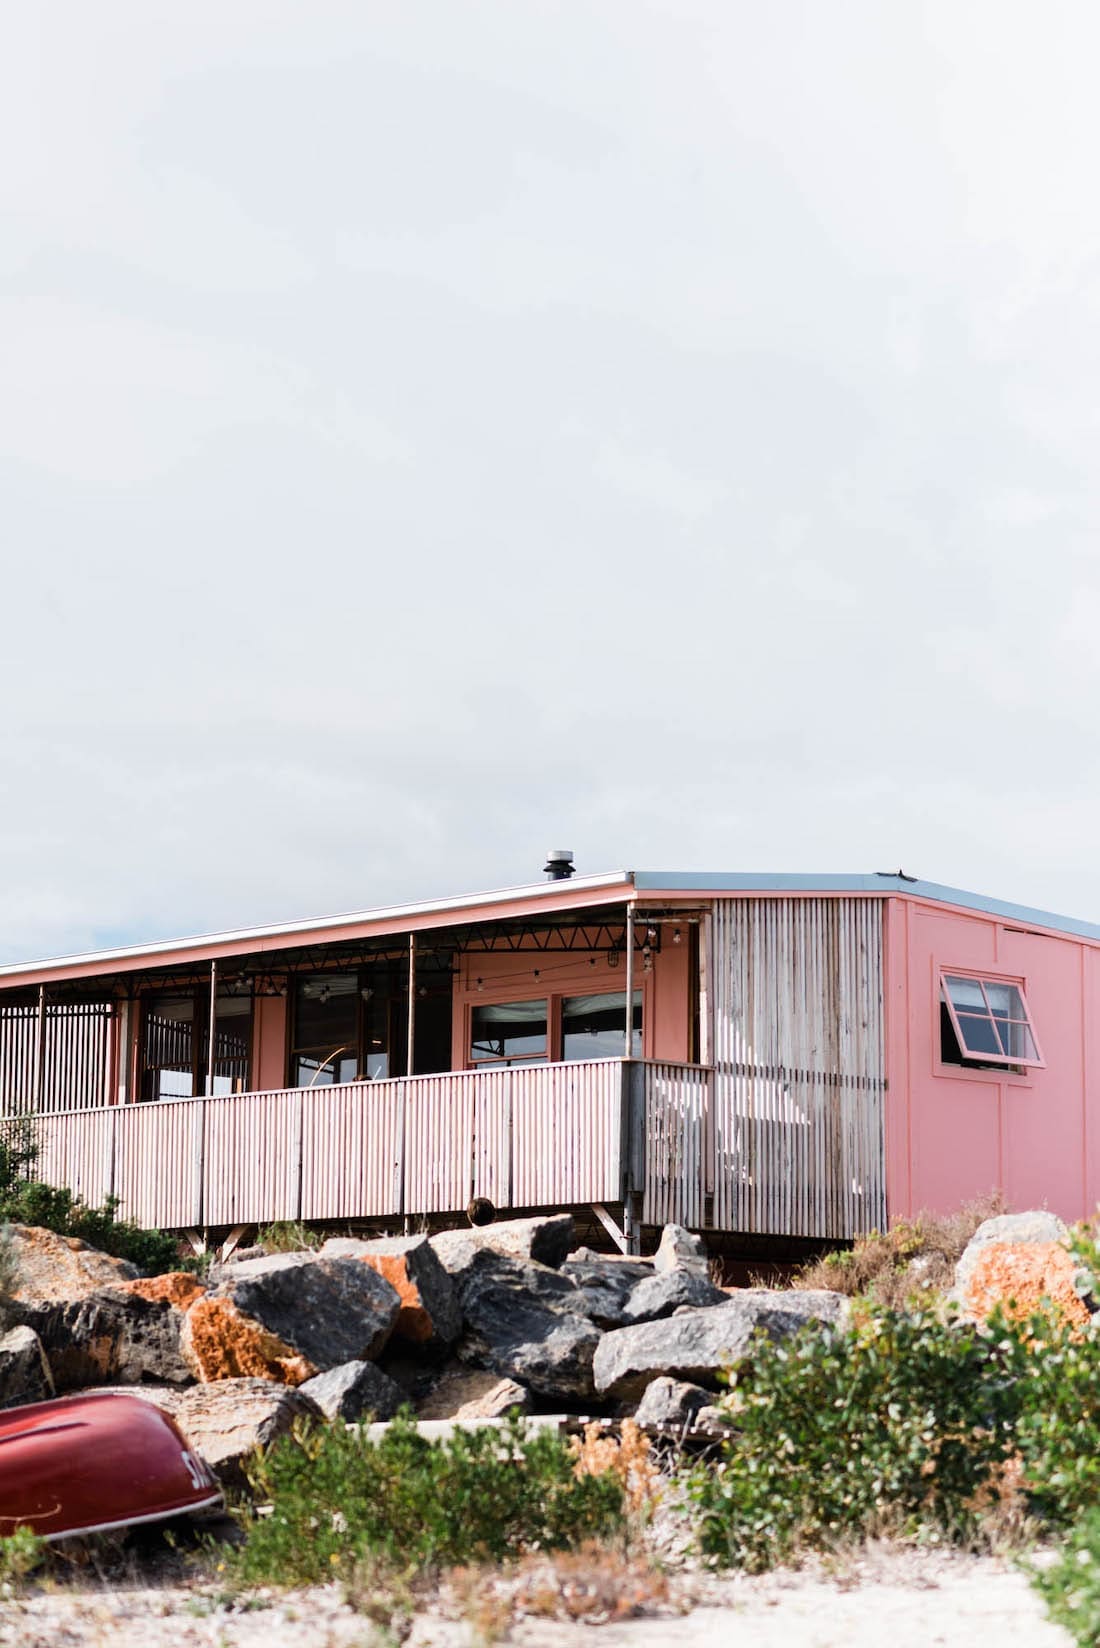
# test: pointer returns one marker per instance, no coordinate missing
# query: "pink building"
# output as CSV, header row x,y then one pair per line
x,y
802,1057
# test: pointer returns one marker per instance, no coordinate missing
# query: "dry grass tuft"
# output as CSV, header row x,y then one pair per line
x,y
595,1585
628,1456
914,1260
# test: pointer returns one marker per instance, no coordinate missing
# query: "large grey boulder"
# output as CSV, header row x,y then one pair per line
x,y
681,1249
604,1286
107,1338
1010,1228
696,1345
429,1317
659,1295
288,1317
519,1323
55,1268
353,1390
546,1238
671,1402
24,1372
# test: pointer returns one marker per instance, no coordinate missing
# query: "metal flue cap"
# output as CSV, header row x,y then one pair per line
x,y
559,864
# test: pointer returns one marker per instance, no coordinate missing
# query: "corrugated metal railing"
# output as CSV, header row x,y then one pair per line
x,y
524,1137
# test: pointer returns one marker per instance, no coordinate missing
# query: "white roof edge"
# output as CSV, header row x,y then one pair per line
x,y
393,913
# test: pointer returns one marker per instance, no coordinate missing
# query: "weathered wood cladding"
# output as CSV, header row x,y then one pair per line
x,y
799,1073
62,1062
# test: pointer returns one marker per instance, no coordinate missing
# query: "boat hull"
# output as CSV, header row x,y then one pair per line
x,y
90,1463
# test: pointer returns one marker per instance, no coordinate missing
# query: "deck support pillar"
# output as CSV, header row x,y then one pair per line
x,y
211,1029
619,1237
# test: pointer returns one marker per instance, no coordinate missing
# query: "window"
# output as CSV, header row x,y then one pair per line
x,y
176,1045
593,1027
985,1024
558,1027
325,1047
511,1032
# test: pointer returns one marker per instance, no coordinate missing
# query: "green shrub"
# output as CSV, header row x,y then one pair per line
x,y
902,1424
288,1236
339,1502
1071,1586
20,1553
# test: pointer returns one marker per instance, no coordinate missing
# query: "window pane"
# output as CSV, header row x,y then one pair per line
x,y
514,1030
1005,1001
979,1035
594,1027
1018,1040
966,993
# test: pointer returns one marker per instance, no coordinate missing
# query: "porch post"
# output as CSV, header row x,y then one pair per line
x,y
412,1004
210,1029
39,1050
628,1047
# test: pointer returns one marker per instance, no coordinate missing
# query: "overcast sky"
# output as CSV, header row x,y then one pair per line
x,y
435,432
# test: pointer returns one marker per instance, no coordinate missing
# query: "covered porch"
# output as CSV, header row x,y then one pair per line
x,y
716,1062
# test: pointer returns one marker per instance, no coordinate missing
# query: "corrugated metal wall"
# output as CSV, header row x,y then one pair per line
x,y
799,1073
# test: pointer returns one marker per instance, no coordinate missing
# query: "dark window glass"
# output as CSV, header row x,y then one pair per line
x,y
511,1032
594,1027
326,1030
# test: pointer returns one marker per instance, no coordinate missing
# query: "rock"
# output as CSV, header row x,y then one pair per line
x,y
53,1267
226,1422
518,1324
671,1402
1016,1229
179,1287
1020,1277
353,1390
680,1249
604,1285
713,1418
697,1344
546,1239
24,1372
429,1314
471,1393
108,1338
288,1317
668,1291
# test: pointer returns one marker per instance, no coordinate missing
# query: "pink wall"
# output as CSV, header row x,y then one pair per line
x,y
951,1133
269,1042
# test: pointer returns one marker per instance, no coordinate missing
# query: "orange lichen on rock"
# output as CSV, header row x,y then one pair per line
x,y
414,1321
178,1287
219,1342
1023,1277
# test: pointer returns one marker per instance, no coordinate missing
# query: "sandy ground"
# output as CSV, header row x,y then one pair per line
x,y
884,1598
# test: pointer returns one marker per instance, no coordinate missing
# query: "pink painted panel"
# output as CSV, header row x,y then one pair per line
x,y
1090,1047
1043,1130
269,1042
967,1132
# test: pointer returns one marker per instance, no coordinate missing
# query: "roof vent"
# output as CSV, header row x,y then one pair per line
x,y
559,864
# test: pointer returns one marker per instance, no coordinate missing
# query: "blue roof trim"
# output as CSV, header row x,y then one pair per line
x,y
1021,915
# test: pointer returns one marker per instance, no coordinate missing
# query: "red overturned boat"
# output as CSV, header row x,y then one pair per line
x,y
87,1464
